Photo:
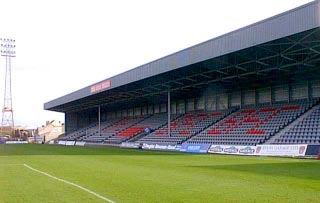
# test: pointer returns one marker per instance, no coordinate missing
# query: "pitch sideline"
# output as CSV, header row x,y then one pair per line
x,y
70,183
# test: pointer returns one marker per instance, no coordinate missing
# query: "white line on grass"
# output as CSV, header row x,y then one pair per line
x,y
70,183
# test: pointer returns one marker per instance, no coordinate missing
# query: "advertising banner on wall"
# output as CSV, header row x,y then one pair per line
x,y
16,142
132,145
148,146
80,143
61,142
70,143
229,149
167,147
194,148
51,142
281,150
174,147
161,147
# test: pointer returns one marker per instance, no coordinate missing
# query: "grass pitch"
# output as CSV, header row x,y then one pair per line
x,y
145,176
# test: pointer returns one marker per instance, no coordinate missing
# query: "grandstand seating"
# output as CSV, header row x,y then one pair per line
x,y
306,131
184,127
246,126
79,133
92,135
251,126
150,124
117,126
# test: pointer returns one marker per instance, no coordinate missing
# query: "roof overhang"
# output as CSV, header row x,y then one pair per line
x,y
280,46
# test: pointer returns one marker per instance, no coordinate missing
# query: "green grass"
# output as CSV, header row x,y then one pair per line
x,y
146,176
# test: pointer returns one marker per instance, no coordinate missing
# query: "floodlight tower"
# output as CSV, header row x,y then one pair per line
x,y
8,51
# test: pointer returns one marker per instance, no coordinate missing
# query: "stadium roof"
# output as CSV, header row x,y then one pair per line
x,y
269,51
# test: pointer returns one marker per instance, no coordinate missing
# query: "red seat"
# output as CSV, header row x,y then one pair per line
x,y
251,120
131,131
248,111
184,132
288,108
214,132
216,114
231,121
268,109
253,131
187,123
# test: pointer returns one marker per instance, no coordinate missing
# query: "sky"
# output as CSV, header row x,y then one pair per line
x,y
65,45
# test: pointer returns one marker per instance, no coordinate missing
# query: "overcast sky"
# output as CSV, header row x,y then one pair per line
x,y
65,45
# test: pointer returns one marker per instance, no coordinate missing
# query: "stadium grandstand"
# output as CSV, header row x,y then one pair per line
x,y
258,85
